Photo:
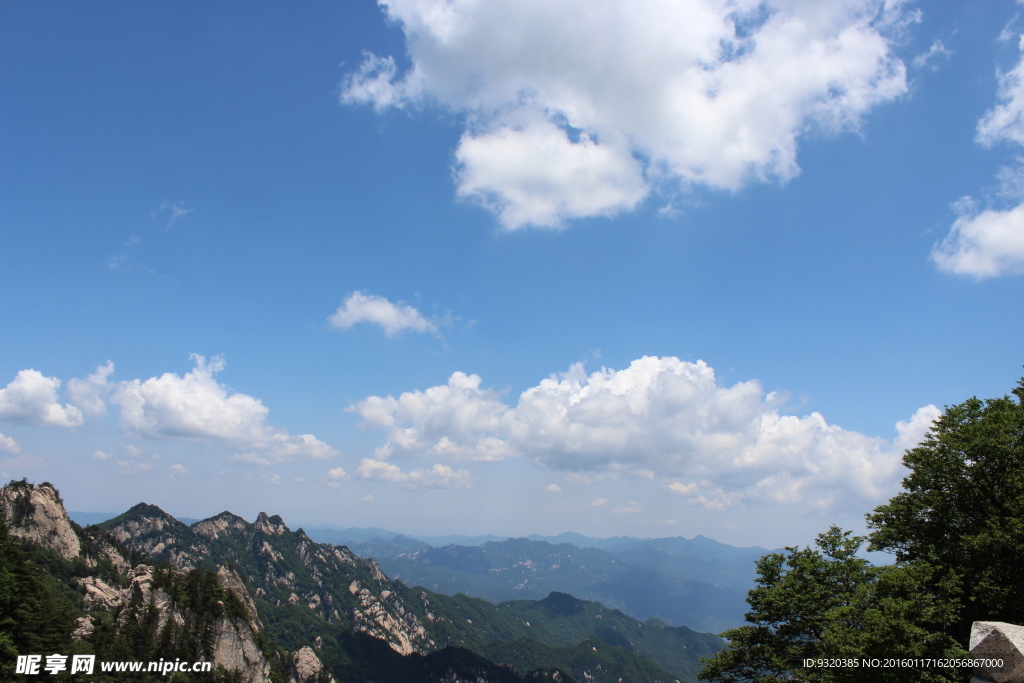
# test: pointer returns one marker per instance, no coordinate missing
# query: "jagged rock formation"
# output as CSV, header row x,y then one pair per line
x,y
36,513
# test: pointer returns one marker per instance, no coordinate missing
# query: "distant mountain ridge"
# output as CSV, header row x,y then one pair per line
x,y
698,582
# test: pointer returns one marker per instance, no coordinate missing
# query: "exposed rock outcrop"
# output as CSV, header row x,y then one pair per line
x,y
100,595
305,667
149,529
224,523
235,648
272,526
234,643
230,579
36,513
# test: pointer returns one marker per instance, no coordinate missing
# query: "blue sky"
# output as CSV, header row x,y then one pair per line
x,y
655,268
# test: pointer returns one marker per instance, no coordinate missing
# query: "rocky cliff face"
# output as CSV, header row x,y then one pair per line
x,y
36,513
234,645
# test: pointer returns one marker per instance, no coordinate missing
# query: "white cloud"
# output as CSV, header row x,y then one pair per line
x,y
660,418
336,476
534,175
100,455
598,502
367,498
169,212
553,488
439,476
90,393
913,431
368,308
458,420
990,243
8,444
631,509
179,469
579,108
931,55
983,245
132,467
31,398
195,406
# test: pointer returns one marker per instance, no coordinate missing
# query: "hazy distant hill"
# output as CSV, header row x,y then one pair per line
x,y
696,582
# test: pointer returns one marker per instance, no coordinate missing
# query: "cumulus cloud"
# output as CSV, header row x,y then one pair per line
x,y
197,407
659,418
439,476
598,502
376,310
580,108
336,476
31,398
983,244
458,420
553,488
631,508
8,444
179,469
90,394
990,243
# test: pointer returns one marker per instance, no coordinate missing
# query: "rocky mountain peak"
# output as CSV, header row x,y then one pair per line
x,y
36,513
224,523
271,525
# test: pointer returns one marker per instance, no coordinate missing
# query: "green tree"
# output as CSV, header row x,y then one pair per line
x,y
962,511
827,603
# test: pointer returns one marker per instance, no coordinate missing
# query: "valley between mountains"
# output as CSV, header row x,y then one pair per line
x,y
266,603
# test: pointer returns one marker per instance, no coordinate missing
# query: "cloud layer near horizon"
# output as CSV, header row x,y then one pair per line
x,y
660,418
583,108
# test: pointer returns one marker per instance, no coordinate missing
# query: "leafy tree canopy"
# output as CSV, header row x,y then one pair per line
x,y
962,510
957,532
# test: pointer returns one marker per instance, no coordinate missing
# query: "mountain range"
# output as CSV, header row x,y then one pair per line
x,y
147,575
697,582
